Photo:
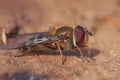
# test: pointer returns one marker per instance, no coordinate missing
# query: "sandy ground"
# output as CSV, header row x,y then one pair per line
x,y
101,16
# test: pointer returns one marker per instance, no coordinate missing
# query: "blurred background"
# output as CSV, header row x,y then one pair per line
x,y
100,16
38,15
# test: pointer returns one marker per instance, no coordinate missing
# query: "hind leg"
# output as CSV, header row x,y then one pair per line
x,y
24,50
81,55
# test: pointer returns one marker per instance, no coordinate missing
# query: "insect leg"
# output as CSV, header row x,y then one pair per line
x,y
58,45
89,52
25,50
81,55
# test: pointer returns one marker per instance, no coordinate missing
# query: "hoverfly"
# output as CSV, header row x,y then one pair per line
x,y
64,38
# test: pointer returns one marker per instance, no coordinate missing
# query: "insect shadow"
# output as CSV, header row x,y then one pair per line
x,y
94,52
23,76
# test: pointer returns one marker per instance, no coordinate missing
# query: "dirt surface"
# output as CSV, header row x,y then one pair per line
x,y
101,16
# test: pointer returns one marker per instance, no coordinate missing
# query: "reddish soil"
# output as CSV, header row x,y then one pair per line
x,y
101,16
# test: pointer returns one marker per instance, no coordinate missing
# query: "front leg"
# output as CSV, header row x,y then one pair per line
x,y
81,55
89,52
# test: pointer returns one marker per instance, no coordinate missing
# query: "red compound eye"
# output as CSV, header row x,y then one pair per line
x,y
79,34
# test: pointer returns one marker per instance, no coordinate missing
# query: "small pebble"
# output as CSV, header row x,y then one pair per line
x,y
112,53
